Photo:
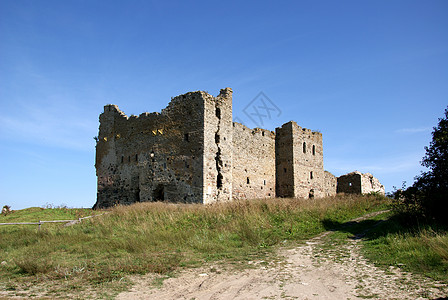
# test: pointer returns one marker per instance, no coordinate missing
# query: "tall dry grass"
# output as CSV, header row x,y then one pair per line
x,y
160,237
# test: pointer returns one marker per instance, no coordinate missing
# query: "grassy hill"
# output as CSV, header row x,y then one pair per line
x,y
160,237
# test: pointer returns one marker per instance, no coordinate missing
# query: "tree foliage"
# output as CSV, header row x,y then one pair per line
x,y
428,196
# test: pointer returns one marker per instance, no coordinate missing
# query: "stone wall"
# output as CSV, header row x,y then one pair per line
x,y
359,183
284,161
253,163
330,184
157,156
299,162
218,147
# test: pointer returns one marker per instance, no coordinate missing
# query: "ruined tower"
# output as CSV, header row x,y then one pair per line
x,y
299,162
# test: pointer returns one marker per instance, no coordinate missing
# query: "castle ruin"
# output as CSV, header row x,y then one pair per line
x,y
193,152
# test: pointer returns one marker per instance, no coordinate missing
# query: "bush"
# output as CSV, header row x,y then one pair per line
x,y
427,197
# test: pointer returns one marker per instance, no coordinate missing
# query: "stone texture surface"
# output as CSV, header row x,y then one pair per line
x,y
253,162
193,152
300,166
359,183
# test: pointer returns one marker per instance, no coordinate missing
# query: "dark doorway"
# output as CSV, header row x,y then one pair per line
x,y
311,194
159,193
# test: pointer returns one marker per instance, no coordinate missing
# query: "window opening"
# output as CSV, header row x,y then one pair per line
x,y
304,147
186,137
314,150
311,194
247,180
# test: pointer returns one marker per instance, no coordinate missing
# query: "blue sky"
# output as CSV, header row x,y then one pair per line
x,y
372,76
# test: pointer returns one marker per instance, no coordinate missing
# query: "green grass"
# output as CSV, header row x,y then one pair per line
x,y
160,237
421,249
34,214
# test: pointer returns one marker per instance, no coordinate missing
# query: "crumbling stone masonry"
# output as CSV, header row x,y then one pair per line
x,y
359,183
192,152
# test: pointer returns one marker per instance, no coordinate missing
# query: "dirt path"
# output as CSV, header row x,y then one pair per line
x,y
309,271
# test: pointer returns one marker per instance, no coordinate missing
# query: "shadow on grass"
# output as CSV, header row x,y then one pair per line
x,y
374,229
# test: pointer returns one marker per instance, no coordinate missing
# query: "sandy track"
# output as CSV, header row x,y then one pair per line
x,y
307,271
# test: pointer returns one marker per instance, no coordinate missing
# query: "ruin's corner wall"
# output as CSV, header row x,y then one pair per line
x,y
359,183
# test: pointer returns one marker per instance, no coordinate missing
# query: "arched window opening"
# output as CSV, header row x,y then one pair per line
x,y
186,137
247,180
304,147
311,175
314,150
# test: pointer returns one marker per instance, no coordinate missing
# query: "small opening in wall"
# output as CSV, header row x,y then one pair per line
x,y
129,159
311,194
247,180
164,165
304,147
136,157
122,159
264,182
218,112
311,175
314,150
349,184
219,181
217,138
262,133
159,193
186,137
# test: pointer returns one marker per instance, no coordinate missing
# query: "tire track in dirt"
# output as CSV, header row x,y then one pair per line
x,y
308,271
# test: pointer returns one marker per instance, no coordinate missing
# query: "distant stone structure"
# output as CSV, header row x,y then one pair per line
x,y
192,152
359,183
